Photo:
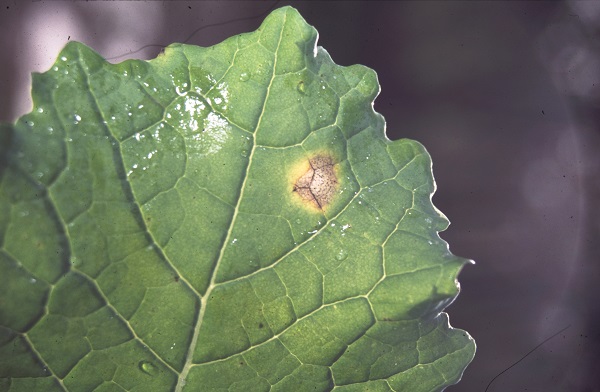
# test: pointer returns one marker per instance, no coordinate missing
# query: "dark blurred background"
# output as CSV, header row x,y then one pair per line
x,y
504,95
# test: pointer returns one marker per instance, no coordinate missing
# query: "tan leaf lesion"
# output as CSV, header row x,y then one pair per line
x,y
319,184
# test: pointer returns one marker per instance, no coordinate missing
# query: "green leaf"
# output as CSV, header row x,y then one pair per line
x,y
229,218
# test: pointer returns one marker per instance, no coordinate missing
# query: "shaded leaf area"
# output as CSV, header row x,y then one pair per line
x,y
153,236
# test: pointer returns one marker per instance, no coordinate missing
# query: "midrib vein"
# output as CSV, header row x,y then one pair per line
x,y
204,301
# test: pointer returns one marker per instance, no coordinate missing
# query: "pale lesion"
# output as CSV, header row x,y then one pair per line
x,y
318,185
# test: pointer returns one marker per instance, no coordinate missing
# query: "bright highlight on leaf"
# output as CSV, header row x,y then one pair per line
x,y
229,218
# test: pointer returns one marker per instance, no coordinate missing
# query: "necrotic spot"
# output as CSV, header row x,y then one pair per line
x,y
318,185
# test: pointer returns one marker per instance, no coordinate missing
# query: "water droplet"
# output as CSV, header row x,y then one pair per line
x,y
148,368
341,255
244,153
244,76
301,87
298,221
40,110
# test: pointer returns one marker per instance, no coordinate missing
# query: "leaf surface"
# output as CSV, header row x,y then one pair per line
x,y
229,218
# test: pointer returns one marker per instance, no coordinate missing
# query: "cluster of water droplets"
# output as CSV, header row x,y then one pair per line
x,y
204,129
57,68
147,152
193,107
220,97
215,134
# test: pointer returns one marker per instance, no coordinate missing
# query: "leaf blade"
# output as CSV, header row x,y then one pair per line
x,y
234,215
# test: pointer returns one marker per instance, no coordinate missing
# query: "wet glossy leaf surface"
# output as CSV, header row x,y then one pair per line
x,y
229,218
